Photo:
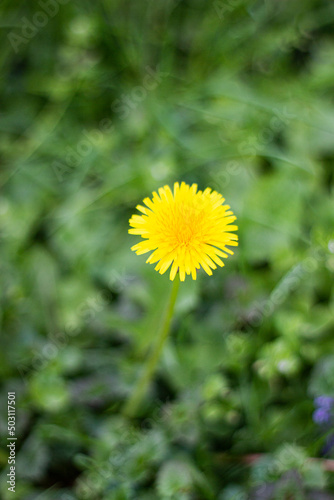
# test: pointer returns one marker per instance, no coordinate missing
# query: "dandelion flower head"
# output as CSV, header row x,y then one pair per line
x,y
186,229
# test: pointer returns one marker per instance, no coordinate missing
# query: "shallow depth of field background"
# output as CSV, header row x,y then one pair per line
x,y
105,103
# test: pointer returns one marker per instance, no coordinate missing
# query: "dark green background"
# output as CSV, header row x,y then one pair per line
x,y
104,103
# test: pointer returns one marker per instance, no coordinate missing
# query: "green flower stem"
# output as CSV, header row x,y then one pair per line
x,y
140,389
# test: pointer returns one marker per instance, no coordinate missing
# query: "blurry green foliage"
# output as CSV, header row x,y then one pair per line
x,y
104,104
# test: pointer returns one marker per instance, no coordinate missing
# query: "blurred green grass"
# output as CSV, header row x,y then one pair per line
x,y
103,105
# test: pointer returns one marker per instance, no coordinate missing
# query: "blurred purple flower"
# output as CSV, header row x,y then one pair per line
x,y
325,402
321,416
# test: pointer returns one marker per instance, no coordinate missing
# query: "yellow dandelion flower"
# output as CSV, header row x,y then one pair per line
x,y
186,229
